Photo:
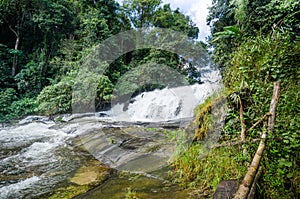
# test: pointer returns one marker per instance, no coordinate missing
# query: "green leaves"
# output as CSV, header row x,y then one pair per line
x,y
94,27
6,98
141,12
257,43
104,89
229,31
56,98
30,79
254,66
11,107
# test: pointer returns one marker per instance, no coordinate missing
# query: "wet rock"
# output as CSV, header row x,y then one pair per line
x,y
130,149
90,174
34,118
102,114
70,117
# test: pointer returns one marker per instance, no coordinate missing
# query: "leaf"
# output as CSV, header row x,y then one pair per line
x,y
289,175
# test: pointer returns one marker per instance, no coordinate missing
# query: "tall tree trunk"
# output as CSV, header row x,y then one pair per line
x,y
244,188
15,59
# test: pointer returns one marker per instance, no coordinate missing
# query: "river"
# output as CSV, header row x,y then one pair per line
x,y
100,155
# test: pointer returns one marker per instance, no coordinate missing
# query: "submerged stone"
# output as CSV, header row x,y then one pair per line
x,y
90,174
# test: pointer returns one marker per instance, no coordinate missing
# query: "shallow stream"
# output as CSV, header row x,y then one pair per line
x,y
101,155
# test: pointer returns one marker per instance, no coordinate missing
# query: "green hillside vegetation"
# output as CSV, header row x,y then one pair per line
x,y
44,43
255,44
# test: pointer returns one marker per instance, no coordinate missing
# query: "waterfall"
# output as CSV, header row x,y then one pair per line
x,y
168,103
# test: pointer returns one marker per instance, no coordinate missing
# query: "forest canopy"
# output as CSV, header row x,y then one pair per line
x,y
44,42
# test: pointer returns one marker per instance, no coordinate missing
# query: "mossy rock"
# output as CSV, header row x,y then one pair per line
x,y
85,178
206,116
90,174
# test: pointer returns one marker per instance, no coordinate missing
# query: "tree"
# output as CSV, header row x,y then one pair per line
x,y
165,17
221,14
14,17
6,79
98,20
141,12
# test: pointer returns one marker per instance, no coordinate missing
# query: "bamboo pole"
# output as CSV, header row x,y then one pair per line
x,y
254,185
242,120
244,188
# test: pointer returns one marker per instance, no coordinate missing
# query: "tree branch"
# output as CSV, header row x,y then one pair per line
x,y
244,188
259,121
242,119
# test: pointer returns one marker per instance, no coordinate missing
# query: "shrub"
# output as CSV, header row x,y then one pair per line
x,y
56,98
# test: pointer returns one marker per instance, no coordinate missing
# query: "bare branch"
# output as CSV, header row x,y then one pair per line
x,y
258,122
244,188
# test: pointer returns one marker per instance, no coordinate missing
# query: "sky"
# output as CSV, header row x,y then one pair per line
x,y
196,9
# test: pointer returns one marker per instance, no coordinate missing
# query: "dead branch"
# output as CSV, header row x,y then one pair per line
x,y
258,122
244,188
242,119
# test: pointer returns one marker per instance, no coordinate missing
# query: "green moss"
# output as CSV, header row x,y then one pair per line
x,y
69,192
130,194
153,148
204,121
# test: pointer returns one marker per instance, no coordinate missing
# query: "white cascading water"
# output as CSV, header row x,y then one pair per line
x,y
168,103
32,146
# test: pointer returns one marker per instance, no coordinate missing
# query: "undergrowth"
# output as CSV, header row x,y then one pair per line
x,y
255,65
202,169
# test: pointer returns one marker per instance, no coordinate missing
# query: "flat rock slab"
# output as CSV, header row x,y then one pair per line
x,y
130,149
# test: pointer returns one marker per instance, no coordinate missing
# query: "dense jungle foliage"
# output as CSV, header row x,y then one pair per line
x,y
255,43
44,42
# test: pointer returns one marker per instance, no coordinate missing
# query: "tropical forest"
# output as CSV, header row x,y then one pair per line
x,y
124,99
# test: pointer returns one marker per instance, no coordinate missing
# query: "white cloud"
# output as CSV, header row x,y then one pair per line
x,y
197,10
